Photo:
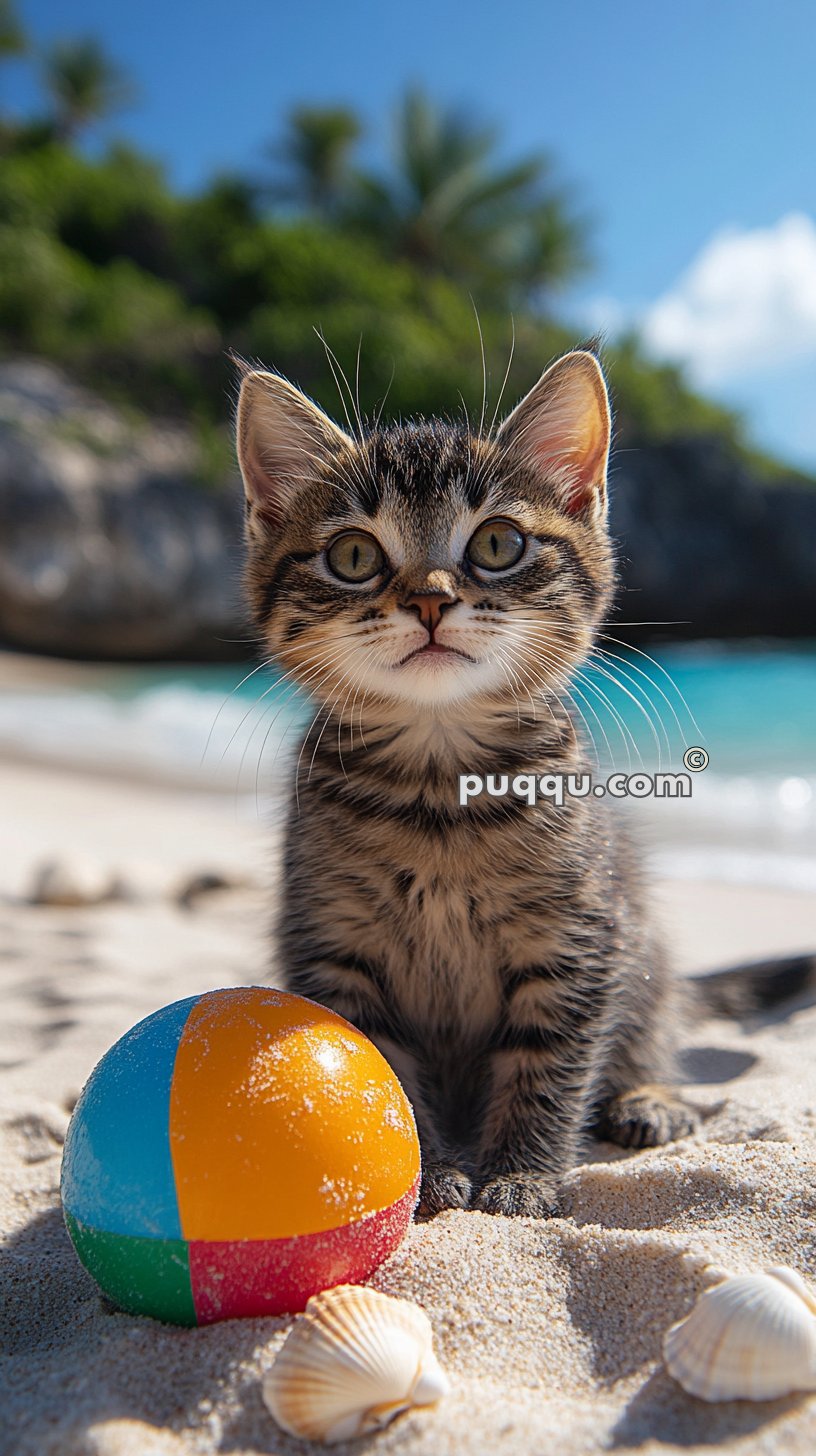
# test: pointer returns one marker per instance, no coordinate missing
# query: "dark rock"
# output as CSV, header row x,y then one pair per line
x,y
702,540
109,546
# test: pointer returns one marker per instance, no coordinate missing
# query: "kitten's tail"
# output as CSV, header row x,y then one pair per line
x,y
742,990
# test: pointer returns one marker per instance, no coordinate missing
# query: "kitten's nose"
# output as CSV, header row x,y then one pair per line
x,y
429,607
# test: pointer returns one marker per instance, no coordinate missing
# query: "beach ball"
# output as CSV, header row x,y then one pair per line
x,y
234,1154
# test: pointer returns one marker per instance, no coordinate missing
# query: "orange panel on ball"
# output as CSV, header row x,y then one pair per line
x,y
284,1120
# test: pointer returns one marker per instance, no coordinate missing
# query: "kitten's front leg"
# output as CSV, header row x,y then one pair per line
x,y
542,1078
528,1141
444,1183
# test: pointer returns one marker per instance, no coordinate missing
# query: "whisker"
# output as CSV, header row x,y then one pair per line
x,y
379,413
304,683
641,709
625,731
543,638
261,665
338,372
504,669
569,691
287,676
609,638
357,386
340,728
484,366
300,755
616,657
287,729
506,376
325,725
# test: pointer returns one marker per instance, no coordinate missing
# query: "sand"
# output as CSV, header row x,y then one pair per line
x,y
550,1331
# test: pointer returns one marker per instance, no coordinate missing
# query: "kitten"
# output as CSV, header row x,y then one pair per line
x,y
434,590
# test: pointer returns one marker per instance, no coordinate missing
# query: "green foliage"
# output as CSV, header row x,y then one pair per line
x,y
41,285
418,338
142,293
84,84
118,207
315,155
128,333
448,206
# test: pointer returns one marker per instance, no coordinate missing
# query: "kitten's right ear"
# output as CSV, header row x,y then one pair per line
x,y
281,437
561,431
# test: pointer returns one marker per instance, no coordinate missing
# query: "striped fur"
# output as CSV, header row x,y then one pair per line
x,y
500,955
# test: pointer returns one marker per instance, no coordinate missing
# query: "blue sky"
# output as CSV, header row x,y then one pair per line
x,y
687,132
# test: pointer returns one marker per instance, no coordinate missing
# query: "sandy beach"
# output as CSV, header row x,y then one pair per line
x,y
550,1332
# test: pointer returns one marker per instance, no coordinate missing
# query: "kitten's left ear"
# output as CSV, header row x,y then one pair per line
x,y
562,429
282,440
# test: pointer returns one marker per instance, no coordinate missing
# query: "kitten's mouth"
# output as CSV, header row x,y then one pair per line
x,y
436,650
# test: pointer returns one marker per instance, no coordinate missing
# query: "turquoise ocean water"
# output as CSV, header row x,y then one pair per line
x,y
753,708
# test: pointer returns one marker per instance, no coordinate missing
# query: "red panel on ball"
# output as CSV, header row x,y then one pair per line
x,y
247,1277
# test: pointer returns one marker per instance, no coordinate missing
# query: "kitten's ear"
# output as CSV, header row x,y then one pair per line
x,y
281,437
562,430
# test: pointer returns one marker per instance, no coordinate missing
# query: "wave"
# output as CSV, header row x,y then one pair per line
x,y
742,828
171,734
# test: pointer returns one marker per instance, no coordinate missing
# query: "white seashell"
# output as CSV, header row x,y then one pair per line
x,y
352,1362
753,1337
73,882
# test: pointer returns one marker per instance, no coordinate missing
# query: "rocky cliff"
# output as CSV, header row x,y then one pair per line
x,y
111,547
700,539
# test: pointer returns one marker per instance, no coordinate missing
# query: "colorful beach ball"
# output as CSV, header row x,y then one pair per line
x,y
235,1153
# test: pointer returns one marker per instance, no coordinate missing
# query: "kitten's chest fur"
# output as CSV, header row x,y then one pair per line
x,y
447,932
438,903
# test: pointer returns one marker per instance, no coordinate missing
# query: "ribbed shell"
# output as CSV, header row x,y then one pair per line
x,y
352,1362
753,1337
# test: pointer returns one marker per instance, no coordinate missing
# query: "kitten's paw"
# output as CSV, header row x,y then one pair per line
x,y
443,1186
646,1118
518,1195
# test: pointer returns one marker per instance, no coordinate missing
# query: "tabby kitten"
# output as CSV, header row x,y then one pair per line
x,y
434,589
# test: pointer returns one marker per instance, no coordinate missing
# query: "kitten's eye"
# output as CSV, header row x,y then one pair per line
x,y
496,545
355,556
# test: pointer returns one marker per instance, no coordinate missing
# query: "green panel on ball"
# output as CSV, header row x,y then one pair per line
x,y
141,1276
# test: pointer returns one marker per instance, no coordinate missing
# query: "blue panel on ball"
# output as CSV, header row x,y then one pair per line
x,y
117,1172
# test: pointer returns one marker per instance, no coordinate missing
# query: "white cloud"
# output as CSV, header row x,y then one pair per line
x,y
747,303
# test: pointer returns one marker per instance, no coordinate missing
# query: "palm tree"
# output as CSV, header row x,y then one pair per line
x,y
13,43
13,39
315,153
85,86
450,207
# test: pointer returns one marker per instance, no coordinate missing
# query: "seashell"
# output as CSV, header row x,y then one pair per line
x,y
352,1361
753,1337
74,882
